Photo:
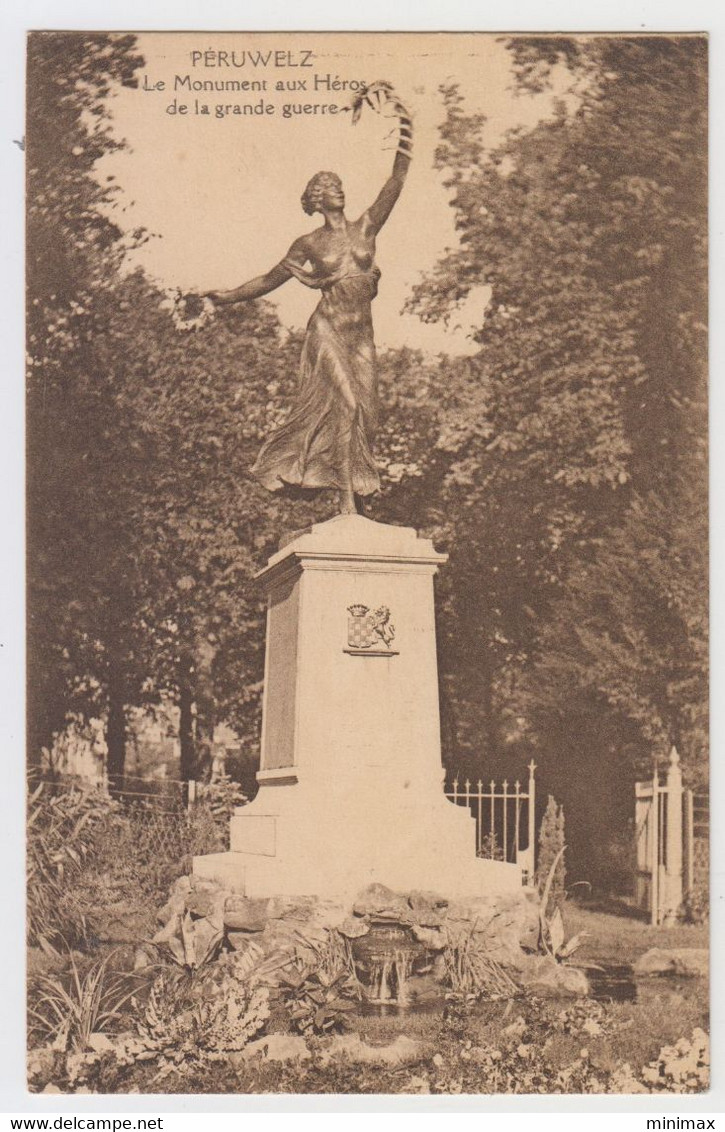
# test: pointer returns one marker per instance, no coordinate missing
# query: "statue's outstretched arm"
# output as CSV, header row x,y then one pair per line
x,y
383,205
263,284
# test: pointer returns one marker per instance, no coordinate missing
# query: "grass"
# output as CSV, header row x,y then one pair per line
x,y
623,937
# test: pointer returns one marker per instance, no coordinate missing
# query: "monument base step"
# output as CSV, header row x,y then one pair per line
x,y
257,876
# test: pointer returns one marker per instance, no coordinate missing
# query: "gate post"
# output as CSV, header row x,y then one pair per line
x,y
654,850
688,867
532,821
672,896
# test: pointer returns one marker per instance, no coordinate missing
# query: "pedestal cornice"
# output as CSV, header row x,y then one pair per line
x,y
353,543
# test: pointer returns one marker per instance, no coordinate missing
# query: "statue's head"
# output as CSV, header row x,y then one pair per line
x,y
323,191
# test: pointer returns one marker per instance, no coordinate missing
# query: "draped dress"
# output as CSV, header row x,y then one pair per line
x,y
326,440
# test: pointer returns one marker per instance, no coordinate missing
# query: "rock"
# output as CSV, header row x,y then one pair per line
x,y
51,1088
673,961
174,906
293,935
353,927
100,1043
142,958
428,909
78,1065
381,903
240,941
322,912
200,938
330,913
529,921
170,930
121,923
497,922
246,915
278,1047
203,884
176,902
41,1063
433,938
403,1051
293,908
182,885
201,904
544,976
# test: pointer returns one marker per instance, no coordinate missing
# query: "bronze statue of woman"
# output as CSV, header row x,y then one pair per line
x,y
326,441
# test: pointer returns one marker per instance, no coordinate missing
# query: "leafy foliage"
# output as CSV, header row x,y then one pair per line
x,y
67,1010
320,987
221,797
550,868
217,1017
317,1002
62,832
629,633
472,972
569,473
77,586
683,1067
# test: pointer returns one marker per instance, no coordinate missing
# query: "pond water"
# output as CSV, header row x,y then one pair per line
x,y
612,983
609,983
401,975
389,961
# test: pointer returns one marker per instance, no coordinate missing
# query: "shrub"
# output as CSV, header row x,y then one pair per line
x,y
491,848
551,846
205,1015
221,797
697,903
66,1009
62,833
317,1003
471,972
147,848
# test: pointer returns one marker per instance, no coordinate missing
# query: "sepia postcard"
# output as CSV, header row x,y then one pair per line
x,y
367,700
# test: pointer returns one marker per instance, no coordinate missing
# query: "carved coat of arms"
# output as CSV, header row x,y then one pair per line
x,y
369,628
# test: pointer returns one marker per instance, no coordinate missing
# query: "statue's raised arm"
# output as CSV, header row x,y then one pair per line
x,y
263,284
383,99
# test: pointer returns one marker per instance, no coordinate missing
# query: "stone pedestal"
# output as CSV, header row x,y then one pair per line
x,y
351,781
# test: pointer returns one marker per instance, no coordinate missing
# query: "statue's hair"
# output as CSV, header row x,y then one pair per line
x,y
316,188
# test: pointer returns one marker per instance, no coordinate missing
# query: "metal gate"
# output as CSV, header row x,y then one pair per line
x,y
505,819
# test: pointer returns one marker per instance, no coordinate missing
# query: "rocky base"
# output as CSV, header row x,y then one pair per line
x,y
201,917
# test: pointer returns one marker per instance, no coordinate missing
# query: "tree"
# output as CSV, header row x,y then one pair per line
x,y
197,405
589,386
73,251
629,633
143,524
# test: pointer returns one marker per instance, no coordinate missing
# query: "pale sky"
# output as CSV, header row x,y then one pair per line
x,y
222,193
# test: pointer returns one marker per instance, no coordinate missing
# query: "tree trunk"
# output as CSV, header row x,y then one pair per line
x,y
116,727
40,733
205,707
45,700
187,763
